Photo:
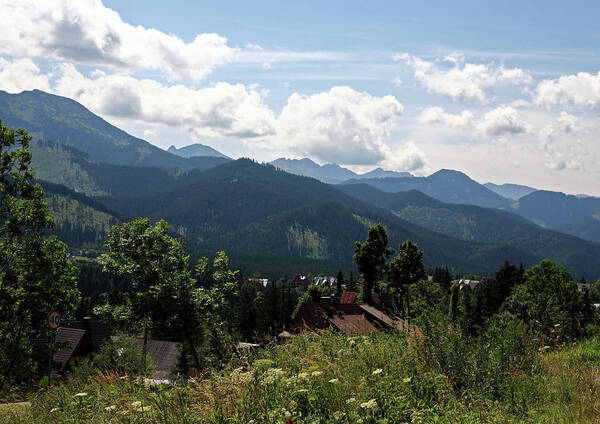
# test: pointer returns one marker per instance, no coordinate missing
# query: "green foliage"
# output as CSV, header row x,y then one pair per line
x,y
547,303
123,356
35,275
162,293
313,293
440,376
370,258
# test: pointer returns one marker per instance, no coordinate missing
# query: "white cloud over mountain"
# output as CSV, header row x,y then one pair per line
x,y
340,125
222,109
171,90
21,74
461,81
87,32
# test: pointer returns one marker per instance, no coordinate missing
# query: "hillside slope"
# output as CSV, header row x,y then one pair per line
x,y
64,121
473,223
249,207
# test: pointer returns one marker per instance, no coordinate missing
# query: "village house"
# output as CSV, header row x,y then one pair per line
x,y
79,339
344,315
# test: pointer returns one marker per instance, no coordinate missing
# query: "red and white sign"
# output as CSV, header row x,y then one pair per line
x,y
54,318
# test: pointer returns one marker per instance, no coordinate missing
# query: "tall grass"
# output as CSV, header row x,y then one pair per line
x,y
434,376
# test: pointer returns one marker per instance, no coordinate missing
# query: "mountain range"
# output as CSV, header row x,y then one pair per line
x,y
96,175
330,173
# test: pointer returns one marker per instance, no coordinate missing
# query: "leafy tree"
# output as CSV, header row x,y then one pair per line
x,y
35,274
547,302
594,292
405,269
162,289
370,257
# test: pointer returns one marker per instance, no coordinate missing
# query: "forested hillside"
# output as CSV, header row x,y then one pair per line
x,y
579,216
64,121
483,225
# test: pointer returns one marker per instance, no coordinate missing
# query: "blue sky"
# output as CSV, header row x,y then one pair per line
x,y
504,91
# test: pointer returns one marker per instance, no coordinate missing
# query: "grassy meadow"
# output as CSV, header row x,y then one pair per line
x,y
332,378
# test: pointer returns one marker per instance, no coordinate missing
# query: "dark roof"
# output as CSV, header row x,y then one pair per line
x,y
398,323
164,354
349,318
71,337
97,332
348,297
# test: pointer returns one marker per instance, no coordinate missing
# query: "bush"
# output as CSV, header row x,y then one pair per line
x,y
122,355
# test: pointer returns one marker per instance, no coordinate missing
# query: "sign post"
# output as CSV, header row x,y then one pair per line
x,y
54,318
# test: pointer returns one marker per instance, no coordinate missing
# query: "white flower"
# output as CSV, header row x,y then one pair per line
x,y
54,410
334,380
407,379
372,404
303,375
136,403
351,400
110,408
377,371
316,373
82,394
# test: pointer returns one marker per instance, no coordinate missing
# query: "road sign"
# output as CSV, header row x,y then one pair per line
x,y
54,318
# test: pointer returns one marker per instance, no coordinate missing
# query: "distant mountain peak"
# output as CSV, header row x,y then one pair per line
x,y
196,150
510,191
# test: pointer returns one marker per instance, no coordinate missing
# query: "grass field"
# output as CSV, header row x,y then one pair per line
x,y
331,378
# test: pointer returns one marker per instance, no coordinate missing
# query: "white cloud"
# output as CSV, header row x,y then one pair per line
x,y
340,125
503,120
465,82
219,110
21,74
436,115
580,90
407,158
87,32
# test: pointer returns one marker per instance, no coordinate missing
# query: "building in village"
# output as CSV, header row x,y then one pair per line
x,y
79,339
344,315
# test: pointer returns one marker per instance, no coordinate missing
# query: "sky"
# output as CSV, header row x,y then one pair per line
x,y
503,91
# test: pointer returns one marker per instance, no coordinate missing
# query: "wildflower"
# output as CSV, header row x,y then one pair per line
x,y
407,379
377,371
136,404
334,380
350,400
316,373
272,375
371,404
110,408
303,375
54,410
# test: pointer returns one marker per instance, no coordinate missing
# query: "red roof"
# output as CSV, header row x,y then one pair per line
x,y
348,297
